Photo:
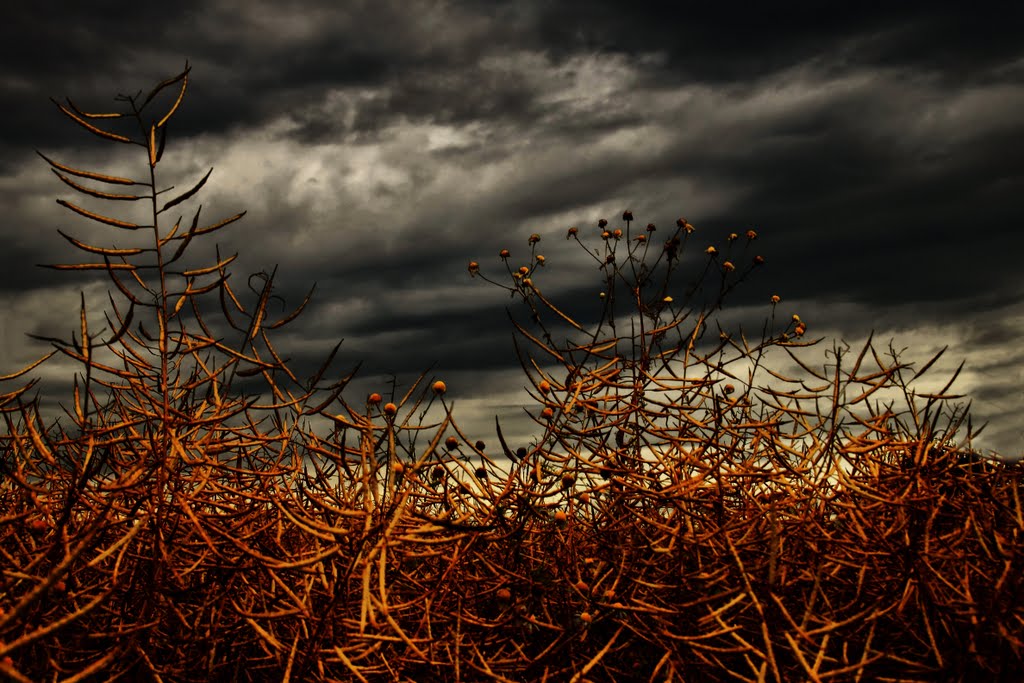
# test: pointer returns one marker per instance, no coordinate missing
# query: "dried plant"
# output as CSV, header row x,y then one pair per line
x,y
685,512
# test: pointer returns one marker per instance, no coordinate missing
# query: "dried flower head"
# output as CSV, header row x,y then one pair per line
x,y
650,227
572,232
627,215
711,251
776,298
540,259
504,253
439,387
733,237
759,260
390,409
451,443
617,233
534,238
474,267
374,399
728,267
751,235
602,223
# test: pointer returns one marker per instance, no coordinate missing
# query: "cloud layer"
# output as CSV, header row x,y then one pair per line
x,y
378,147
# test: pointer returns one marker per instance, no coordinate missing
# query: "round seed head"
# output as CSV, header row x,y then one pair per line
x,y
439,387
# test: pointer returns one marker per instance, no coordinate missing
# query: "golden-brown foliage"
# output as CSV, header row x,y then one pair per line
x,y
678,517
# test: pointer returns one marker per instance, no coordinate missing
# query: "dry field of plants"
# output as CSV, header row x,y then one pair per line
x,y
686,511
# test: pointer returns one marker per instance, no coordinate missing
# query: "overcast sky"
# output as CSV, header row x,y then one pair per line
x,y
379,146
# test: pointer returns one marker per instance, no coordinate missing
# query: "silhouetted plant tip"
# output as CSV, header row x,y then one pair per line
x,y
687,509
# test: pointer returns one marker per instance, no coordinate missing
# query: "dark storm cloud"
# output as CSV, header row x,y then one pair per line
x,y
716,42
379,146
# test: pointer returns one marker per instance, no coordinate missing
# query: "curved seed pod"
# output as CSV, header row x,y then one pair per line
x,y
88,126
